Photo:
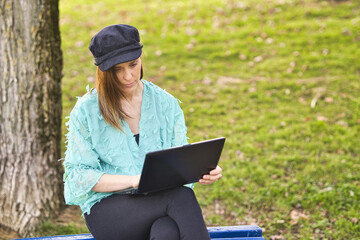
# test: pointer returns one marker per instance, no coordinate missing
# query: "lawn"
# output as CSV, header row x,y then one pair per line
x,y
280,79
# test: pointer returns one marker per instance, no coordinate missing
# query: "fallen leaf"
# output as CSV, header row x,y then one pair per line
x,y
295,215
342,123
91,79
258,59
302,100
322,118
339,151
329,99
190,32
328,189
324,213
341,115
207,81
277,237
346,31
79,44
189,46
228,80
319,92
269,40
242,57
252,89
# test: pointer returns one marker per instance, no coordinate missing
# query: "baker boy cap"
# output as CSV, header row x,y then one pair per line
x,y
115,44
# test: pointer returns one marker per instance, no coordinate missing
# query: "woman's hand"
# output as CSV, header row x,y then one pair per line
x,y
135,180
212,177
113,183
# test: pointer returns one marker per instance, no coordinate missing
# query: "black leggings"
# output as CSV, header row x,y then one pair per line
x,y
169,214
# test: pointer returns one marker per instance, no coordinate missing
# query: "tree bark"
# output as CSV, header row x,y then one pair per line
x,y
31,187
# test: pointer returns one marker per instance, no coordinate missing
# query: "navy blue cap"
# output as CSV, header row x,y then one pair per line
x,y
115,44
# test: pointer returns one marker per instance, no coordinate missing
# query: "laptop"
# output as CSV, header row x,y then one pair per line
x,y
177,166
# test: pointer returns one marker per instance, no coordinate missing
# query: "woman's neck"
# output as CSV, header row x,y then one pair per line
x,y
134,93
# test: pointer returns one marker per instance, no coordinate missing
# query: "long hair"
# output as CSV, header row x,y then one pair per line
x,y
109,95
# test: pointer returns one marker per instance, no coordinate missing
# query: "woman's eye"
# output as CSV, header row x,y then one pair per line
x,y
133,64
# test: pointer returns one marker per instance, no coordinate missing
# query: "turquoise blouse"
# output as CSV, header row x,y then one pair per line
x,y
95,147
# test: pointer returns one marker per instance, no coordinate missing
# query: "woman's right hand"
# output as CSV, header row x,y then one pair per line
x,y
113,183
135,180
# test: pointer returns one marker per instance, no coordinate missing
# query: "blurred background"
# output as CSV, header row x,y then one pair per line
x,y
280,79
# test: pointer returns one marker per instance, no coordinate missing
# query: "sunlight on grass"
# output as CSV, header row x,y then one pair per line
x,y
280,79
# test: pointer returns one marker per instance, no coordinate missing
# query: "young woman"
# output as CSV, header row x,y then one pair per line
x,y
111,128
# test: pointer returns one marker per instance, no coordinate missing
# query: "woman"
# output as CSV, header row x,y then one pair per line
x,y
111,128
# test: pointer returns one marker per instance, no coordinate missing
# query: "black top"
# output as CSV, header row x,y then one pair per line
x,y
137,137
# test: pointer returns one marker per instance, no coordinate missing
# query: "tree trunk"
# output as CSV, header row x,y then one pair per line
x,y
31,186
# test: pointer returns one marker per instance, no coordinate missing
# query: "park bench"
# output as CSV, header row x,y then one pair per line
x,y
248,232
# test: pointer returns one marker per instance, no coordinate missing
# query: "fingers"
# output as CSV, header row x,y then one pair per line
x,y
205,182
216,171
212,177
208,179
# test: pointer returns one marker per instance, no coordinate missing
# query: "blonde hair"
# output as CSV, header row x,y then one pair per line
x,y
109,95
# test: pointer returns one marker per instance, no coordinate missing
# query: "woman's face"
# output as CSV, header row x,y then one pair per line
x,y
128,73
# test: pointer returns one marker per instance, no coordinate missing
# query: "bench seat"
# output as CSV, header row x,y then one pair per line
x,y
246,232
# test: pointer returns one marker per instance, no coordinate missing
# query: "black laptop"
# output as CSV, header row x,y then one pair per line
x,y
177,166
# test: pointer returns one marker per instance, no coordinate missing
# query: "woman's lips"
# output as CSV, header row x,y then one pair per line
x,y
129,85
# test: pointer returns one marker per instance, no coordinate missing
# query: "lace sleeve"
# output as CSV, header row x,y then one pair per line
x,y
180,130
82,164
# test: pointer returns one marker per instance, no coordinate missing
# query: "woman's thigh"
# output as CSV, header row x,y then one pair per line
x,y
132,216
125,216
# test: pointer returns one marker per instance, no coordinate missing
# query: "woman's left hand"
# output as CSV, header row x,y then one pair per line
x,y
212,177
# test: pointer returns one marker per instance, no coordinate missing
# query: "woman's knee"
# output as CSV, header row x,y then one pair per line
x,y
164,228
183,193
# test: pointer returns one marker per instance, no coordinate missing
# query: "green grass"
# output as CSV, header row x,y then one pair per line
x,y
249,71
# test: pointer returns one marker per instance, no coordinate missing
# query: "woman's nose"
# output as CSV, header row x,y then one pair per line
x,y
127,74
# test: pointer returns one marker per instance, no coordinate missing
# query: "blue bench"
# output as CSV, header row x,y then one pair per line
x,y
248,232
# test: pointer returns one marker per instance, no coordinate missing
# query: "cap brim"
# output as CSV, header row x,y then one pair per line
x,y
121,58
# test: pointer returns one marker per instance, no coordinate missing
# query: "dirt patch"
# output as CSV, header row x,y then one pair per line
x,y
6,234
70,215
